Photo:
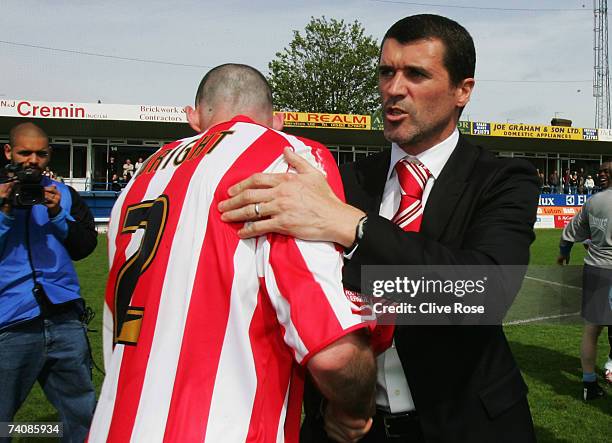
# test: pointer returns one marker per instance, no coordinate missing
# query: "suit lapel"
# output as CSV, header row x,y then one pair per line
x,y
372,173
447,189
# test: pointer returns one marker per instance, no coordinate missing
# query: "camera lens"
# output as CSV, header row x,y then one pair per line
x,y
25,195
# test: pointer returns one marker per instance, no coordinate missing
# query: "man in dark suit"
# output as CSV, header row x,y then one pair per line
x,y
437,383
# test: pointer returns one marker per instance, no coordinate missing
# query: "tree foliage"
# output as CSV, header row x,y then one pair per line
x,y
331,68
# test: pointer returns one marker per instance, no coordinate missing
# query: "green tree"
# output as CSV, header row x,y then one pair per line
x,y
331,68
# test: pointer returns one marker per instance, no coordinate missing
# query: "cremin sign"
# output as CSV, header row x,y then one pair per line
x,y
169,114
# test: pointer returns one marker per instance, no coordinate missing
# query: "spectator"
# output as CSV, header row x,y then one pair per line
x,y
589,184
541,181
42,336
111,170
138,164
49,173
128,170
573,183
608,365
111,167
581,179
566,181
553,181
116,183
594,223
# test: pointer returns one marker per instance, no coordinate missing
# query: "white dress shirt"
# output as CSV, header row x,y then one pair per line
x,y
392,391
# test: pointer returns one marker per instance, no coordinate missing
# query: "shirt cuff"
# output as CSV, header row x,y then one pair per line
x,y
359,232
349,254
60,223
6,222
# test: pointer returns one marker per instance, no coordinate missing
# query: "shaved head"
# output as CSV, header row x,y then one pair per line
x,y
235,88
230,90
605,175
28,146
26,130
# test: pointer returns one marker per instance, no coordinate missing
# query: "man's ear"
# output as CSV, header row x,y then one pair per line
x,y
278,121
193,118
464,91
7,151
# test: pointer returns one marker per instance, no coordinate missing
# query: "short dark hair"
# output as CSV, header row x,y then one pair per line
x,y
235,78
459,55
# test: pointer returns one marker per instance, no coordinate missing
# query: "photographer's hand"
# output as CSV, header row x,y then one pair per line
x,y
52,200
5,192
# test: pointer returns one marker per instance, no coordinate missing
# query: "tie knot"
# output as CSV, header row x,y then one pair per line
x,y
412,176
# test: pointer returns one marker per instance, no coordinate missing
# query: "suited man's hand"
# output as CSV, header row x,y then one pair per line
x,y
343,428
301,205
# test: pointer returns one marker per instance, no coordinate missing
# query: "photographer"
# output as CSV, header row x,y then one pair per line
x,y
44,225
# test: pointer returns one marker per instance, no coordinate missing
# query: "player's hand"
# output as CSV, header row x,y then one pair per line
x,y
563,259
343,428
301,205
52,200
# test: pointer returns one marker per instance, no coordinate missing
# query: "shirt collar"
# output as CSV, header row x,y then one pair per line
x,y
235,119
242,118
433,158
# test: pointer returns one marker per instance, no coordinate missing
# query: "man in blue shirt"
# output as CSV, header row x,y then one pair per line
x,y
42,336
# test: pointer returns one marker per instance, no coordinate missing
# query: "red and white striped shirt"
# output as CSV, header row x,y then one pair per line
x,y
211,333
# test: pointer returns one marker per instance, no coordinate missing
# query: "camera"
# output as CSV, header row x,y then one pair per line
x,y
27,190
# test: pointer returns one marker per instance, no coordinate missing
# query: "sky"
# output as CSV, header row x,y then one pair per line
x,y
534,58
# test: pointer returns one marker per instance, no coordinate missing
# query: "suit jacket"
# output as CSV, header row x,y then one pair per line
x,y
464,380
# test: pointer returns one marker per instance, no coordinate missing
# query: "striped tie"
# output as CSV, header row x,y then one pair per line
x,y
412,178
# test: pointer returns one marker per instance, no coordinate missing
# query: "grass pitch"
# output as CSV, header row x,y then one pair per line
x,y
547,350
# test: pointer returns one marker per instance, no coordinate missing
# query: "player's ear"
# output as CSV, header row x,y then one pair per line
x,y
278,121
193,117
7,151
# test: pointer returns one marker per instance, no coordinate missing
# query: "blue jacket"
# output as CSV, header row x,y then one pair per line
x,y
37,249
